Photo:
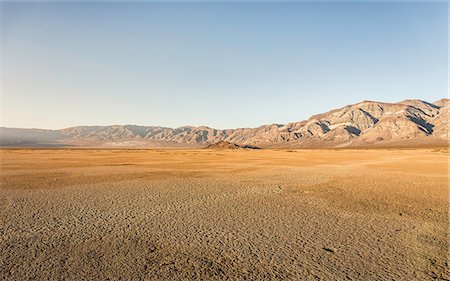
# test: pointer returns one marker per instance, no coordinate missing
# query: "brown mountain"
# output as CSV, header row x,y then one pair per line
x,y
368,123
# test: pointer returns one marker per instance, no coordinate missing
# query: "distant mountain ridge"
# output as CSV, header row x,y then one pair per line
x,y
368,123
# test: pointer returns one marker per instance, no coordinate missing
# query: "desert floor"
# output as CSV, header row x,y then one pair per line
x,y
204,214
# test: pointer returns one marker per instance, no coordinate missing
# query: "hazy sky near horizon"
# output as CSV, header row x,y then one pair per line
x,y
222,65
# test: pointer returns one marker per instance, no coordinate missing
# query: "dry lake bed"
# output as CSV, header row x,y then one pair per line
x,y
74,214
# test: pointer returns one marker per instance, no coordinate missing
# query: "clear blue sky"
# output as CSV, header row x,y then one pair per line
x,y
222,65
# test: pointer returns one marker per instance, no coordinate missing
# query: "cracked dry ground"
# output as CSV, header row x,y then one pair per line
x,y
203,214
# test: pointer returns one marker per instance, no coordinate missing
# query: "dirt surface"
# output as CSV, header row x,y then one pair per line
x,y
242,214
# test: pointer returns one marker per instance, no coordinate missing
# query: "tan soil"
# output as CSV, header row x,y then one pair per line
x,y
239,214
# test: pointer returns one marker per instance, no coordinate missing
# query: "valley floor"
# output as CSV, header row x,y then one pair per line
x,y
206,214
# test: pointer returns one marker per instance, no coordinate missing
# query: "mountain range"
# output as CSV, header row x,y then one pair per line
x,y
368,123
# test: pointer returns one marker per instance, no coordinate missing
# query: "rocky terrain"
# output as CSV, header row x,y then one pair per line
x,y
368,123
228,145
223,145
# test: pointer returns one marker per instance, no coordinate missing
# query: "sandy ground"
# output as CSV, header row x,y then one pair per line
x,y
204,214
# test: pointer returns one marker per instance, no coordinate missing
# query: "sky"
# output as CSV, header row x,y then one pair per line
x,y
218,64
